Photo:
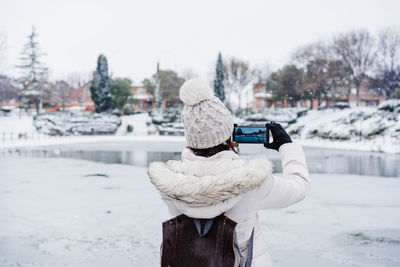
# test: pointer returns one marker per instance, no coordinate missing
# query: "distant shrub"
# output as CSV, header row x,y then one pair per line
x,y
129,128
128,110
397,93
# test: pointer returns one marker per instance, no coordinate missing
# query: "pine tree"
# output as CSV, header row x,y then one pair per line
x,y
33,73
100,88
158,93
219,88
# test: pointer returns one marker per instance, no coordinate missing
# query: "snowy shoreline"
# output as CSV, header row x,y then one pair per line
x,y
366,146
72,212
314,120
49,141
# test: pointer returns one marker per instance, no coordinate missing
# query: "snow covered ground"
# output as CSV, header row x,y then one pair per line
x,y
137,121
66,212
16,124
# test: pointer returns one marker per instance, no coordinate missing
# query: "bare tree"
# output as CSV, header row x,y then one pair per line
x,y
74,79
8,88
315,80
238,75
388,68
312,52
3,46
323,71
62,89
167,83
261,73
358,52
338,75
389,48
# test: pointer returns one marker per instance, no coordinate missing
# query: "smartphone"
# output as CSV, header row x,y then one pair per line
x,y
252,134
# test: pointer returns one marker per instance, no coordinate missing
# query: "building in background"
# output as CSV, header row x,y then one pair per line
x,y
142,99
261,98
368,96
61,96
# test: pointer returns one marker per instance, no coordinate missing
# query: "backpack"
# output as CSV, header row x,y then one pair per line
x,y
202,243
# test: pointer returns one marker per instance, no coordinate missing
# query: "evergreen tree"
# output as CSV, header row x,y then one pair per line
x,y
168,83
33,73
100,88
120,92
158,92
219,88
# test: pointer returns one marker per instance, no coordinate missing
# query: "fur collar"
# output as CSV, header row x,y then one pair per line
x,y
207,181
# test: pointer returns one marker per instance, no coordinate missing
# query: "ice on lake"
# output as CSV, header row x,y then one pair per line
x,y
141,153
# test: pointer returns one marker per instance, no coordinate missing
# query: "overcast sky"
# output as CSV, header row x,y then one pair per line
x,y
182,35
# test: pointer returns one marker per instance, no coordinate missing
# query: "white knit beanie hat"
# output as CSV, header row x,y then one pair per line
x,y
206,120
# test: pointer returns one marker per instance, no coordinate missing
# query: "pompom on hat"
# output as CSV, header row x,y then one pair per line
x,y
206,120
194,91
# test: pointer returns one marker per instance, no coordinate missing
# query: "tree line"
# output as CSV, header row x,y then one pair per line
x,y
314,71
108,93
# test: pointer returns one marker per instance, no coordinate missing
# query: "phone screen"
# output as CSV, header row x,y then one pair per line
x,y
251,134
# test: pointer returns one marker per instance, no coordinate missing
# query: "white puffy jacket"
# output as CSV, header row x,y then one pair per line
x,y
201,187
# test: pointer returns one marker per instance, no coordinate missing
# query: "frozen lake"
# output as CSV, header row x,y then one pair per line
x,y
91,204
141,153
70,212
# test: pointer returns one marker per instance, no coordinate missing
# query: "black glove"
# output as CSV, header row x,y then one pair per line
x,y
279,134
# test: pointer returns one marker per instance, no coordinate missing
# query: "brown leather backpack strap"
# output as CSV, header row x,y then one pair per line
x,y
170,239
225,251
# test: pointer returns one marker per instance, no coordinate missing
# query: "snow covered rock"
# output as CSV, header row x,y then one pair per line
x,y
392,105
283,116
76,123
347,124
